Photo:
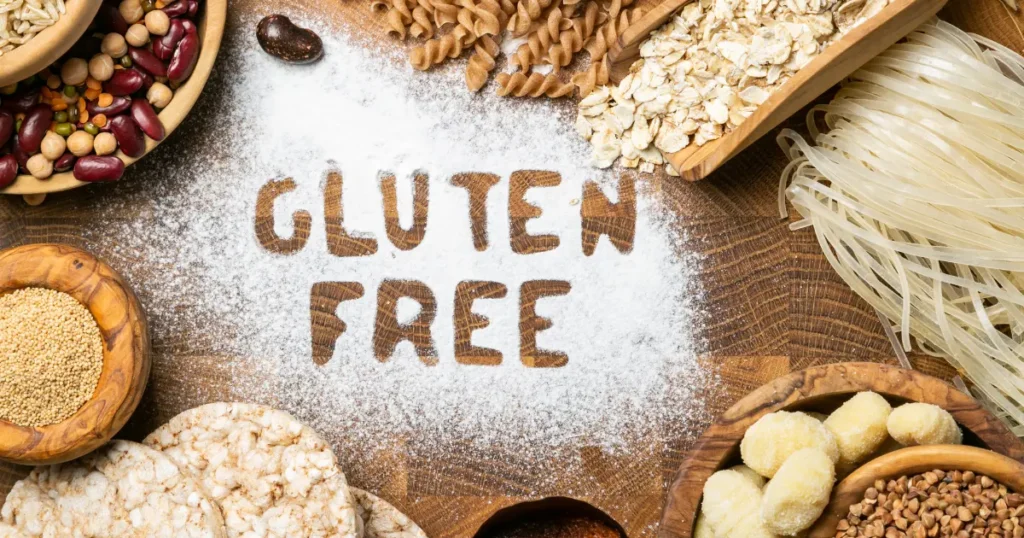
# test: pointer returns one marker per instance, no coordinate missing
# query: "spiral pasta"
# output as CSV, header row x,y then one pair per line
x,y
609,32
437,50
422,23
527,11
482,62
596,75
445,13
399,17
572,39
540,42
536,85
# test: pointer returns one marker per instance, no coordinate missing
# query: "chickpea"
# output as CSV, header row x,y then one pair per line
x,y
157,22
101,67
131,10
137,35
159,95
113,45
104,144
80,143
74,72
52,146
39,166
53,82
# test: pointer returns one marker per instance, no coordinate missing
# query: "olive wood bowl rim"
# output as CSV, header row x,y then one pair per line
x,y
211,31
126,352
50,43
915,460
721,440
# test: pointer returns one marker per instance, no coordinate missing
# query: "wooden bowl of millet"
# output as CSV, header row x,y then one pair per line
x,y
126,351
210,21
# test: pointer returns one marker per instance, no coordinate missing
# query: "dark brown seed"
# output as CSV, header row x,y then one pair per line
x,y
6,127
65,162
282,39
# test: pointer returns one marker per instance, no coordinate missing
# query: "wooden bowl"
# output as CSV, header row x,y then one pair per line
x,y
821,389
911,461
50,43
211,31
126,350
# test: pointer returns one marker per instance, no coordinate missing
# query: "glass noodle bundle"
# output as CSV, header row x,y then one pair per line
x,y
915,189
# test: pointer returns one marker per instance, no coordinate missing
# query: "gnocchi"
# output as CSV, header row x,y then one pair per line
x,y
923,424
732,506
859,426
776,436
799,492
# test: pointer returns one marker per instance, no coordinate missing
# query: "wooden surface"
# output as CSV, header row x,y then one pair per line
x,y
822,389
49,44
911,461
126,351
772,306
211,32
838,61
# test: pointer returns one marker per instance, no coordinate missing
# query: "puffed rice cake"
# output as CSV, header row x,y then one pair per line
x,y
7,531
122,490
271,475
381,520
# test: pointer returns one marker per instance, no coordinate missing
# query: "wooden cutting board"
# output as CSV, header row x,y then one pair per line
x,y
773,306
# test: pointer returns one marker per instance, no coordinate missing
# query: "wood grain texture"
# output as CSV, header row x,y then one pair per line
x,y
49,44
821,389
211,31
771,303
838,61
911,461
126,360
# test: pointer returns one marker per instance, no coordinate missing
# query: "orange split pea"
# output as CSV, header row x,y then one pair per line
x,y
58,104
99,120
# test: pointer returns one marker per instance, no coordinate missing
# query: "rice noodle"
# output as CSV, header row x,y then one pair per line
x,y
915,189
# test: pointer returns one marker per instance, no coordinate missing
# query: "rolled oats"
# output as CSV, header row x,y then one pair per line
x,y
271,475
706,71
381,520
122,490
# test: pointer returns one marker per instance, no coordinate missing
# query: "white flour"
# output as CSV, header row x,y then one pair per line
x,y
630,324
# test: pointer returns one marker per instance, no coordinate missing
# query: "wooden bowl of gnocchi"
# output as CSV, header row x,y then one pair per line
x,y
794,437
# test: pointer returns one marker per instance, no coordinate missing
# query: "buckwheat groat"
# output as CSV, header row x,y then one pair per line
x,y
122,490
271,475
381,520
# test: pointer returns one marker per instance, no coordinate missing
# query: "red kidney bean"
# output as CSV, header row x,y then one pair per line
x,y
176,9
184,59
96,168
6,127
147,79
8,170
20,103
65,162
34,127
129,137
147,61
124,82
117,106
190,27
163,46
146,118
193,7
110,20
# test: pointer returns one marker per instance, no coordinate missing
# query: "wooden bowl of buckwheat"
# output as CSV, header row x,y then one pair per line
x,y
36,37
937,490
74,353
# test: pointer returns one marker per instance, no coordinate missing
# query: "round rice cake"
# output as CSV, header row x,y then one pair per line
x,y
381,520
271,475
122,490
7,531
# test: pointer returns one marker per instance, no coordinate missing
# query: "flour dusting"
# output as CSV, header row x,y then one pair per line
x,y
630,324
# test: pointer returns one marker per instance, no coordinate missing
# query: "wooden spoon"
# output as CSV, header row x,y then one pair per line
x,y
838,61
911,461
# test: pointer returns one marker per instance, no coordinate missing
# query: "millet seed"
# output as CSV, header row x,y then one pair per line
x,y
51,356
